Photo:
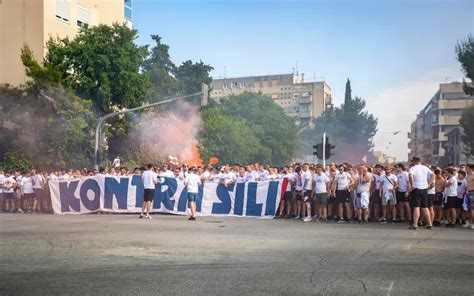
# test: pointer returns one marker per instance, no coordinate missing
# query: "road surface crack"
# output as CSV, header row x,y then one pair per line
x,y
355,280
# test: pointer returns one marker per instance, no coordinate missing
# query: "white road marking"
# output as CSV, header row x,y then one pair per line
x,y
408,247
389,289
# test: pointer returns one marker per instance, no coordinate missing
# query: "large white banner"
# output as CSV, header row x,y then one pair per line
x,y
124,194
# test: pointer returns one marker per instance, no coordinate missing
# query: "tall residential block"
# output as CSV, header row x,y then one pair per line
x,y
304,100
428,137
34,22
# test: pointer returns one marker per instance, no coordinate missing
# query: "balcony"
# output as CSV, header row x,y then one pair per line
x,y
305,100
454,104
449,120
304,114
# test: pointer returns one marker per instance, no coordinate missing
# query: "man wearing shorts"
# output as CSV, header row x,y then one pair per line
x,y
38,188
9,185
149,180
363,195
192,183
299,186
420,178
27,192
343,195
388,187
321,185
470,194
402,194
307,191
375,199
452,197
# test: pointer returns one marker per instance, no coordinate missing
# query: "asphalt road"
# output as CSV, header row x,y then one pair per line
x,y
168,255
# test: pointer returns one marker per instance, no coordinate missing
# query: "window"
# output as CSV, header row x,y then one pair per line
x,y
62,10
83,17
128,9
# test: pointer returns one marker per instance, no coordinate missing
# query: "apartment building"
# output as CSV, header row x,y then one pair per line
x,y
428,136
33,22
301,99
455,149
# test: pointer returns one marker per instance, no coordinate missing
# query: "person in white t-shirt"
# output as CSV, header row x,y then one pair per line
x,y
227,177
9,185
462,190
403,193
320,189
375,198
452,197
343,182
307,192
286,200
149,180
38,187
363,194
420,179
192,183
117,162
299,187
27,192
388,187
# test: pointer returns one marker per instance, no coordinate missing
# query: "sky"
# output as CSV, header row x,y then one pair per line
x,y
395,52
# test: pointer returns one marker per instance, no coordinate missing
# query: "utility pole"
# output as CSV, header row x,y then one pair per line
x,y
324,150
102,120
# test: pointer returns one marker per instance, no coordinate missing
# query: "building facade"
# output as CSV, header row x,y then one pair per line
x,y
304,100
34,22
428,136
455,149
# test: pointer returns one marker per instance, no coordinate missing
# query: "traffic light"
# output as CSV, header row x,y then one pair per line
x,y
328,149
318,150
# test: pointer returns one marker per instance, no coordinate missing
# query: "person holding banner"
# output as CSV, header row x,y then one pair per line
x,y
192,183
149,180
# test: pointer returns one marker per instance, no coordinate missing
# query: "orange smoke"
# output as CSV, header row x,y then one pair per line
x,y
195,158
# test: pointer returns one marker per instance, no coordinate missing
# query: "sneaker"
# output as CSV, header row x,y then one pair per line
x,y
428,227
147,217
340,221
20,211
413,227
467,225
472,226
192,218
383,221
297,218
436,223
450,225
141,216
307,219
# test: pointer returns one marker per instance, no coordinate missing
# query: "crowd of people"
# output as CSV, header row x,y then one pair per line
x,y
414,194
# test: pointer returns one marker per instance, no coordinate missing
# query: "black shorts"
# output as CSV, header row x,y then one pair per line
x,y
438,199
8,195
29,195
460,202
288,196
308,196
331,200
375,198
343,196
452,202
401,197
39,194
149,194
299,195
419,198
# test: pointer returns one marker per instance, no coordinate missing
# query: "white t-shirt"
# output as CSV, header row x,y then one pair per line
x,y
343,180
117,162
307,178
167,173
388,182
320,183
290,178
377,179
8,184
216,178
241,179
227,177
192,183
420,174
452,190
2,179
205,175
462,188
299,181
363,187
148,179
27,185
37,181
402,180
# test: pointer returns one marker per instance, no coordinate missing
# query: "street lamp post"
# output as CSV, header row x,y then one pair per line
x,y
102,120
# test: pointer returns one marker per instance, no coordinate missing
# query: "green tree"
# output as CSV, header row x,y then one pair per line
x,y
465,55
275,131
467,124
52,127
229,138
102,63
160,69
192,75
349,127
